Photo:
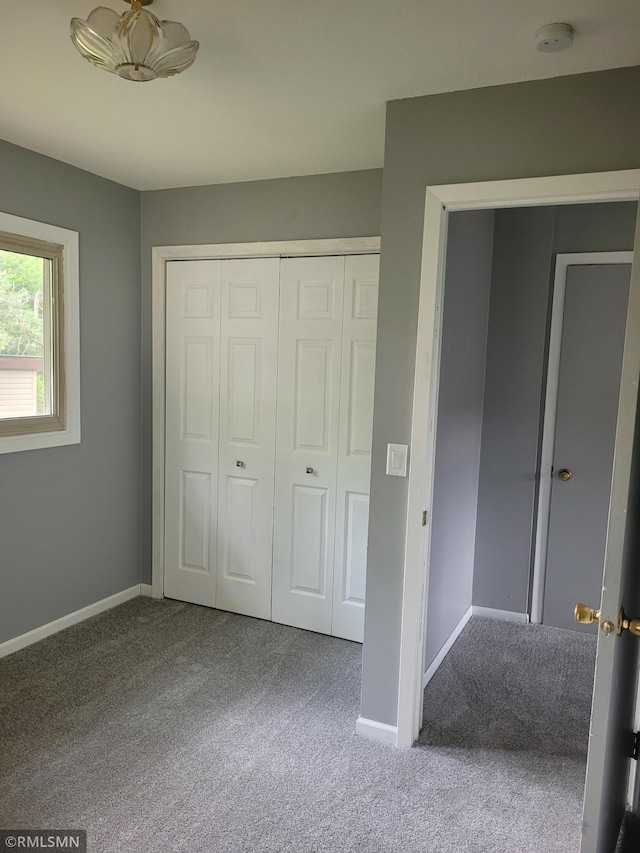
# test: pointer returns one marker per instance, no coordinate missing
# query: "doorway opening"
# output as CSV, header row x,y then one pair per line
x,y
521,316
508,276
489,433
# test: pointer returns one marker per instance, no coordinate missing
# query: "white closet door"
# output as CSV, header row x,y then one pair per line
x,y
191,480
249,336
311,304
354,444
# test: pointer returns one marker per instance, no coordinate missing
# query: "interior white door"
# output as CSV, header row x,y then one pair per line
x,y
594,318
191,462
354,444
249,336
283,539
609,761
311,306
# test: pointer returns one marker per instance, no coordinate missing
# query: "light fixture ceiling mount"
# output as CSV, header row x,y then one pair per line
x,y
136,45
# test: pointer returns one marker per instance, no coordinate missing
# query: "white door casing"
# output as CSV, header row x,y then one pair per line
x,y
191,468
311,307
237,329
354,444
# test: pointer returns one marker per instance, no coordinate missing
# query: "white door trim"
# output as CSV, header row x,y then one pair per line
x,y
440,200
563,261
160,256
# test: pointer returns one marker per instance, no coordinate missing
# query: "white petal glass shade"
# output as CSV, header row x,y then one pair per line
x,y
136,45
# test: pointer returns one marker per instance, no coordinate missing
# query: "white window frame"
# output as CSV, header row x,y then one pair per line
x,y
70,321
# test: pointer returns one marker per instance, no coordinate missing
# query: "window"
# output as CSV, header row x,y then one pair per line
x,y
39,369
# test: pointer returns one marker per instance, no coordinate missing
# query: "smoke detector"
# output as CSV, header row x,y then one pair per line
x,y
554,37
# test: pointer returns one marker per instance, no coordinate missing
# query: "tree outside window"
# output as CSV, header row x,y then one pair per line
x,y
23,297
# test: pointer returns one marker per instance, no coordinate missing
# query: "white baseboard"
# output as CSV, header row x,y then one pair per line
x,y
376,731
504,615
444,651
24,640
146,590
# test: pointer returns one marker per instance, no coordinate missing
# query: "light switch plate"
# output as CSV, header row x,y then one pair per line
x,y
397,460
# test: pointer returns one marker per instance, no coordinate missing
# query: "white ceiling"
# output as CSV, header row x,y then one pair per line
x,y
280,87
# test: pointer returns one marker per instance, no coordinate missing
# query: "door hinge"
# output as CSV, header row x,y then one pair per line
x,y
424,518
636,746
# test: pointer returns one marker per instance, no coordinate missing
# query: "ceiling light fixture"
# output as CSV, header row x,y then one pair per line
x,y
134,45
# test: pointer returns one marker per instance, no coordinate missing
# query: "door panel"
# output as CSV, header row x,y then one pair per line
x,y
195,528
618,657
314,405
354,444
191,470
249,329
594,318
309,557
311,307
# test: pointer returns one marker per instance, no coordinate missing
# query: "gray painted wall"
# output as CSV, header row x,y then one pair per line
x,y
566,125
525,245
319,206
459,424
513,387
595,227
70,516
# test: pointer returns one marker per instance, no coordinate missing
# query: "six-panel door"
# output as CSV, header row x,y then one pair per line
x,y
191,430
220,416
311,297
360,312
271,523
248,352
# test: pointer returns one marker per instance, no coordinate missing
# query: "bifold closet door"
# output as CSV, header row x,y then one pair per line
x,y
309,357
358,364
270,521
191,429
248,355
222,320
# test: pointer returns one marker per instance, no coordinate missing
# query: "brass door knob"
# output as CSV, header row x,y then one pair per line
x,y
564,474
585,615
631,625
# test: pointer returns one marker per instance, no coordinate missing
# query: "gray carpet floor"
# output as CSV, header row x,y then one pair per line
x,y
162,727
